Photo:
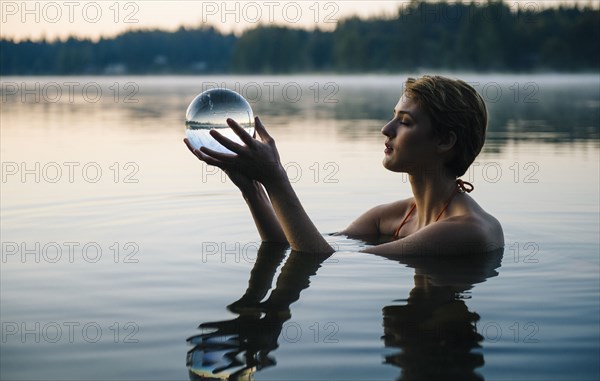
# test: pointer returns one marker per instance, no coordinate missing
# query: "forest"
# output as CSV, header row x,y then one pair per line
x,y
478,37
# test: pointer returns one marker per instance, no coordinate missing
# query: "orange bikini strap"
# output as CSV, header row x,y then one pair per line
x,y
404,221
461,187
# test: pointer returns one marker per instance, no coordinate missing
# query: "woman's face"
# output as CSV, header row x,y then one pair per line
x,y
410,145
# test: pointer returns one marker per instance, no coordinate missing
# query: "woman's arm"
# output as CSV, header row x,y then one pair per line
x,y
367,224
379,220
263,214
299,229
258,202
259,160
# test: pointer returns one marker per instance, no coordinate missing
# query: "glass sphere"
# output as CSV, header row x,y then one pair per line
x,y
210,110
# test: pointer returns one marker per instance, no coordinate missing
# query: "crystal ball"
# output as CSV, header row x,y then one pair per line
x,y
210,110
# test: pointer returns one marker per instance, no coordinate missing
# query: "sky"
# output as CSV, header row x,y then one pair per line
x,y
36,20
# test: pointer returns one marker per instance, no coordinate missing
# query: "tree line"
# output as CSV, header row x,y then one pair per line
x,y
480,37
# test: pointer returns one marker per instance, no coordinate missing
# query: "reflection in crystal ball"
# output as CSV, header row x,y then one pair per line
x,y
210,110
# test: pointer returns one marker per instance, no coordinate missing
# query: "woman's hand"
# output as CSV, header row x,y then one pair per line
x,y
257,160
268,226
239,179
279,216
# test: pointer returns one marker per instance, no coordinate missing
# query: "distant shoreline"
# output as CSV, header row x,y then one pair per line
x,y
477,37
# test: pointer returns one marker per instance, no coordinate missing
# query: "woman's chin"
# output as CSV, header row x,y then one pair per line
x,y
390,166
384,162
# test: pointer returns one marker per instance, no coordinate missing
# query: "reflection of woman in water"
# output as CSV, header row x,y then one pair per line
x,y
434,330
437,130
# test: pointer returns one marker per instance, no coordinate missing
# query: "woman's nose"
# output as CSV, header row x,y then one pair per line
x,y
389,129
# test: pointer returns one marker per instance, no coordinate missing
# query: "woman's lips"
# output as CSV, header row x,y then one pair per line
x,y
388,149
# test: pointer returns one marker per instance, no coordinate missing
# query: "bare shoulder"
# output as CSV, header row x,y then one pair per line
x,y
394,209
481,224
478,229
468,230
469,224
378,219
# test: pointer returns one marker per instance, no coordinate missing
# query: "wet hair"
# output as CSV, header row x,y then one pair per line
x,y
452,105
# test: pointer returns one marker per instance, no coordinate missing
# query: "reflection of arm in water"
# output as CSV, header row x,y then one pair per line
x,y
256,329
269,257
259,160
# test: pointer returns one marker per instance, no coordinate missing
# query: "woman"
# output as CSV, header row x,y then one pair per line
x,y
437,130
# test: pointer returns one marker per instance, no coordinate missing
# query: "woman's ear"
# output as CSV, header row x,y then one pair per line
x,y
445,143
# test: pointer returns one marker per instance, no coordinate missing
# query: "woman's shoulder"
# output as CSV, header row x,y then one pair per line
x,y
375,220
396,207
478,214
456,235
479,223
390,215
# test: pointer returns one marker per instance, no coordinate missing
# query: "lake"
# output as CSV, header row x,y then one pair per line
x,y
125,258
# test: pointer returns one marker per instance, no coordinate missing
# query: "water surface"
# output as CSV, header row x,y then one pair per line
x,y
117,244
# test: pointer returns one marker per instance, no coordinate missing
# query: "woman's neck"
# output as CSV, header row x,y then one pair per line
x,y
431,191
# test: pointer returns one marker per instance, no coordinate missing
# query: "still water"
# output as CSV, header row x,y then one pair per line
x,y
124,258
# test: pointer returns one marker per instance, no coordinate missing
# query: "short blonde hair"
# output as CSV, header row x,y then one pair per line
x,y
452,105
